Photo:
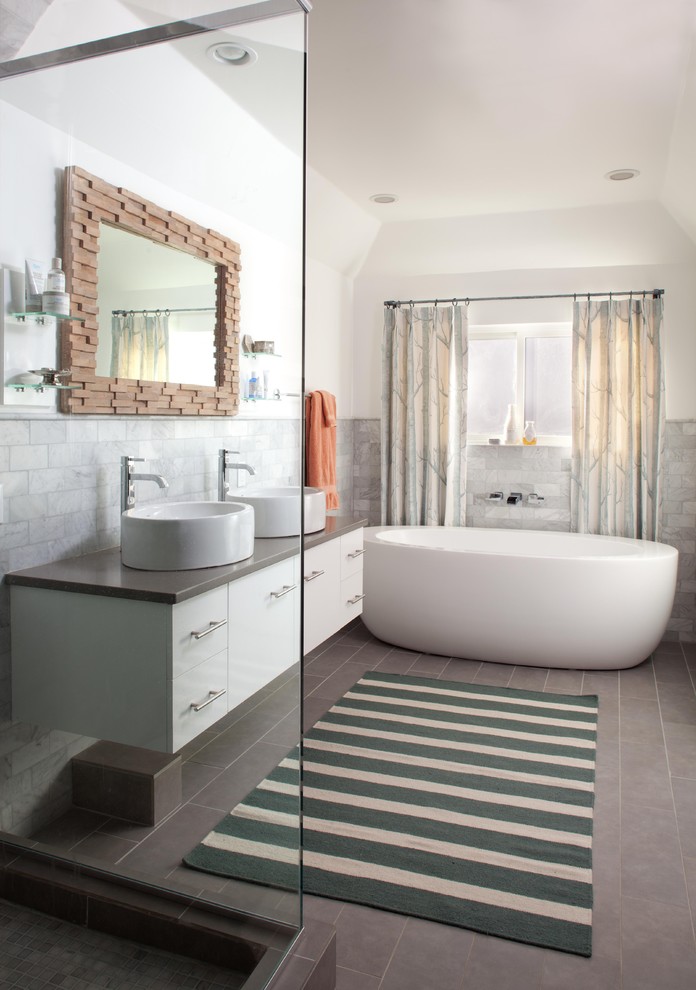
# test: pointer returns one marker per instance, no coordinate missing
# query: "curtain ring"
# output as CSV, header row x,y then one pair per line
x,y
455,302
436,304
411,303
466,301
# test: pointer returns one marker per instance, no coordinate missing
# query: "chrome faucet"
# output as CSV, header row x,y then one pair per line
x,y
129,476
224,466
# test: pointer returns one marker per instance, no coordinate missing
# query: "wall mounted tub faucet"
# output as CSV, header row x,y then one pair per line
x,y
224,465
514,498
129,477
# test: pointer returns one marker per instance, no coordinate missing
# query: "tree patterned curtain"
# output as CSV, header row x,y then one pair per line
x,y
140,346
618,417
424,387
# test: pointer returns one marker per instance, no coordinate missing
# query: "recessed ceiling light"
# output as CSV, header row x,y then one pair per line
x,y
232,53
383,198
621,174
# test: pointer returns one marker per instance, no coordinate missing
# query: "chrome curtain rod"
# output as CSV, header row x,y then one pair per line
x,y
655,293
184,309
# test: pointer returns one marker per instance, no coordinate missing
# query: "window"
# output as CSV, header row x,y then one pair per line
x,y
525,364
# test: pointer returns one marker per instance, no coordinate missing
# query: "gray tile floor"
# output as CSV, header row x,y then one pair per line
x,y
644,846
645,829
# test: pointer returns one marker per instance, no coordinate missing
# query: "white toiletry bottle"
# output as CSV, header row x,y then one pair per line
x,y
253,385
510,428
55,299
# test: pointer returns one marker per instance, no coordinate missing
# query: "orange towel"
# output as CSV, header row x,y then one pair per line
x,y
320,424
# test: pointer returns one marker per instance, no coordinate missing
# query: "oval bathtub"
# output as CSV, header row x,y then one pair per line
x,y
528,597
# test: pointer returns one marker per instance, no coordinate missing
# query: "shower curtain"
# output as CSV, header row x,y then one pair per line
x,y
140,346
424,383
618,417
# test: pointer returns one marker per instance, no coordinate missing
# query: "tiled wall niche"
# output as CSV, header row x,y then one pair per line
x,y
60,477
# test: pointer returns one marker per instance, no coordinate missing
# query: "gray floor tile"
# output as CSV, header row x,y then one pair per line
x,y
349,979
650,963
463,671
651,867
655,919
565,972
495,674
497,963
428,954
638,682
680,741
529,678
366,938
564,682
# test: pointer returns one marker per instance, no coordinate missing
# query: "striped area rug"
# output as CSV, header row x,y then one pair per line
x,y
462,803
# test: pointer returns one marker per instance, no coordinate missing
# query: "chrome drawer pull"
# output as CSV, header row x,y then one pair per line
x,y
354,601
357,553
211,628
212,696
314,575
287,588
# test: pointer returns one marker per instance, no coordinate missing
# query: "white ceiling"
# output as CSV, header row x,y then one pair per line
x,y
469,107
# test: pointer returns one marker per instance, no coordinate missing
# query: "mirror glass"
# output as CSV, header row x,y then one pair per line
x,y
157,311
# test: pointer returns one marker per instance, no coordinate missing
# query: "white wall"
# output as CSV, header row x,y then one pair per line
x,y
598,249
31,201
329,334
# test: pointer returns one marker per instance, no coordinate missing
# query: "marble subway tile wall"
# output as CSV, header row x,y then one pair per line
x,y
367,486
679,522
61,499
344,466
543,470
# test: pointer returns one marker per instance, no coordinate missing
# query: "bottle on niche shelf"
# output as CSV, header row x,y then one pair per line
x,y
510,428
529,437
55,299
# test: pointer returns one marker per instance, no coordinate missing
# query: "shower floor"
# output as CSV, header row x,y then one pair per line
x,y
645,829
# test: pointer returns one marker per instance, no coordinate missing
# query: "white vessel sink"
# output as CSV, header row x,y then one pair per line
x,y
277,510
181,536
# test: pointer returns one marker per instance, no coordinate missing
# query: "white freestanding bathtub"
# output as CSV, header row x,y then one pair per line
x,y
518,596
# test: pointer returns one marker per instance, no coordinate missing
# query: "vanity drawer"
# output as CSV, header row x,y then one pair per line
x,y
351,553
322,571
199,698
199,629
351,605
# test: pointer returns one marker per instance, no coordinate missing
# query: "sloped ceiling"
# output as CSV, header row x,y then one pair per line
x,y
18,18
472,107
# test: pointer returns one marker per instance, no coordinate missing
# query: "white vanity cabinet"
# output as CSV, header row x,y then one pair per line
x,y
156,674
137,672
333,586
263,627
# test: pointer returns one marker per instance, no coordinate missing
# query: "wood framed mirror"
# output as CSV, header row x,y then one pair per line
x,y
91,205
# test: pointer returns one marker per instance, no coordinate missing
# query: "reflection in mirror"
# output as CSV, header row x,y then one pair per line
x,y
143,382
156,311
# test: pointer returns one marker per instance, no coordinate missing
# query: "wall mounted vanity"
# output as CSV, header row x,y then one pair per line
x,y
152,659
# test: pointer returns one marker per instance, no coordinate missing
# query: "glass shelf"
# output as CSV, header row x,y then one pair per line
x,y
21,386
259,354
260,398
41,315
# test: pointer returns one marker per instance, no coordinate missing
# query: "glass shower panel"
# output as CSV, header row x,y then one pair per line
x,y
193,143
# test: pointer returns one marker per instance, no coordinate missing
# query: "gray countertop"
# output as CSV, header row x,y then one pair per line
x,y
102,573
